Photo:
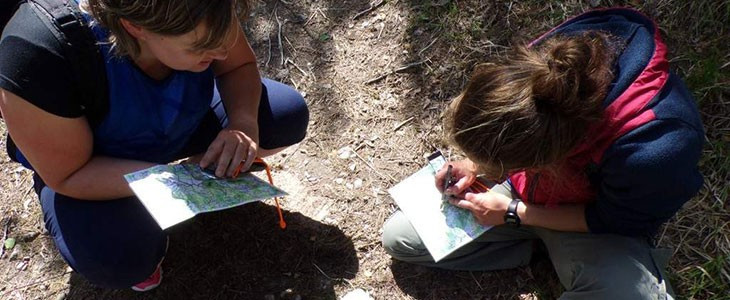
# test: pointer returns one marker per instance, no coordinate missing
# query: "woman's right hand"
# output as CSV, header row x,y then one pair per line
x,y
463,172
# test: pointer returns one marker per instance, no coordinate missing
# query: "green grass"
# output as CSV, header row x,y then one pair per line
x,y
704,281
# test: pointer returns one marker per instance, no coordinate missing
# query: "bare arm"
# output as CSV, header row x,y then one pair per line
x,y
60,150
239,84
489,209
562,218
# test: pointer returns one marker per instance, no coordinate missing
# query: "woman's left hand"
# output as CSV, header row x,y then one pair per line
x,y
488,208
229,149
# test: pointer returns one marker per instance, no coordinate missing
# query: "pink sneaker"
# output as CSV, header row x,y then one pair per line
x,y
152,282
156,278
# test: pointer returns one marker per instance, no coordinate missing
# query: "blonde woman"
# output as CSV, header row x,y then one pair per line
x,y
181,81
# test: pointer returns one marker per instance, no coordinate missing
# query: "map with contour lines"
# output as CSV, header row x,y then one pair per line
x,y
175,193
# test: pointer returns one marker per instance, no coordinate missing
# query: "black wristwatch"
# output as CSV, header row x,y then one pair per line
x,y
511,217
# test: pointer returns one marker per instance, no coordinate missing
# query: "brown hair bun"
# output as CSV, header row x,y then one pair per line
x,y
530,109
571,76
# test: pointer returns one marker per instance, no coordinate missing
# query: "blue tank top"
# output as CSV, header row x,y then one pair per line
x,y
149,120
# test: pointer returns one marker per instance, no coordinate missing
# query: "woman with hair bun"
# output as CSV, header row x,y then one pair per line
x,y
596,144
179,80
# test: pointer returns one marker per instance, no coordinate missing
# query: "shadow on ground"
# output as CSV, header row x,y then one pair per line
x,y
429,283
241,253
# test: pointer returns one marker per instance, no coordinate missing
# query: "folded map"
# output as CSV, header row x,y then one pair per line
x,y
175,193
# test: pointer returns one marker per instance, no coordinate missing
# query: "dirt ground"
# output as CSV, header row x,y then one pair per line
x,y
377,77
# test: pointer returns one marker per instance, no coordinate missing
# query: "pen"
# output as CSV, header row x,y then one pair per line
x,y
448,181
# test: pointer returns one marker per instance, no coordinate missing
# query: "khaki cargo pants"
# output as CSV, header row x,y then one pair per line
x,y
589,266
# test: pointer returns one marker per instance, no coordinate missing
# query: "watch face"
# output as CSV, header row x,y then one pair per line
x,y
510,218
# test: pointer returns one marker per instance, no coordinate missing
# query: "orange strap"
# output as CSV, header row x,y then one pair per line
x,y
282,223
261,162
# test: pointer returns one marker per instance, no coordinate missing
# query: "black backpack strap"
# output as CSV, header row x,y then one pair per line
x,y
80,48
67,23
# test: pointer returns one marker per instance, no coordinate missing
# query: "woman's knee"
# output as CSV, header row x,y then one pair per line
x,y
615,278
283,116
400,240
114,243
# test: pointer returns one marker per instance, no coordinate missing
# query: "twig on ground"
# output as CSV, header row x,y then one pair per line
x,y
268,57
281,46
401,69
35,283
294,83
427,46
369,9
323,14
310,18
293,49
373,168
401,124
5,235
477,281
297,67
382,27
320,270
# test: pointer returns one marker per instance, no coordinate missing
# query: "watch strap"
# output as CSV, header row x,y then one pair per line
x,y
511,216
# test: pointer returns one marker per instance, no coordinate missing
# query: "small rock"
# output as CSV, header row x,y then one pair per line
x,y
61,296
357,294
349,186
358,183
345,152
339,180
352,167
286,293
14,255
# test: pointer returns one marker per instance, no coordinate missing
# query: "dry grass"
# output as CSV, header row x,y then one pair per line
x,y
376,81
